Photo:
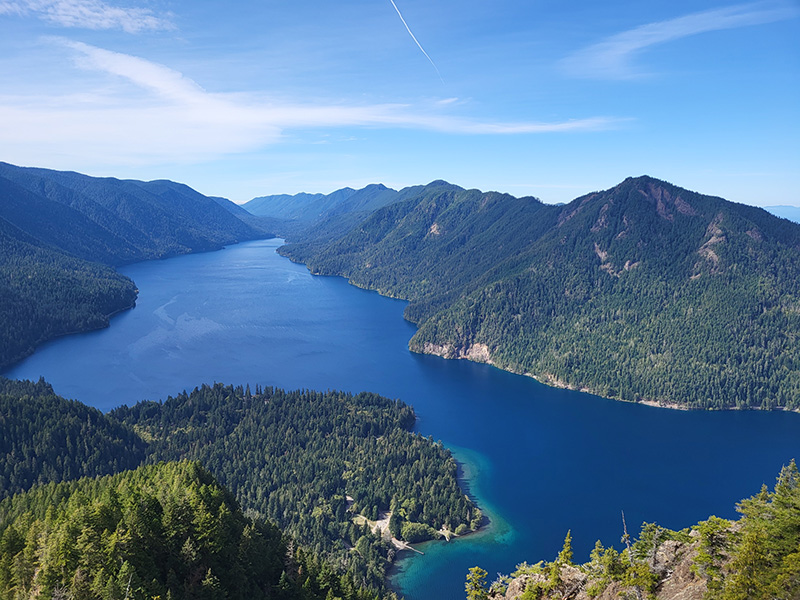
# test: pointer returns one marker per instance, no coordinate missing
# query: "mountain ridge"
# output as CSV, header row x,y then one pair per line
x,y
656,284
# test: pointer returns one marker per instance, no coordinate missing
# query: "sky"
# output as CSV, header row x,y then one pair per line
x,y
530,97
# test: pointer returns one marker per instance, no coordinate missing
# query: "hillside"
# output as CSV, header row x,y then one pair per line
x,y
46,438
754,558
300,206
162,531
321,216
45,293
316,464
644,292
115,221
61,232
310,461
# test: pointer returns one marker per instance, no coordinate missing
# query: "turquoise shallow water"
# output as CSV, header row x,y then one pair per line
x,y
539,460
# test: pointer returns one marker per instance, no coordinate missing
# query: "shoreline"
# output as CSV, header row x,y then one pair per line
x,y
470,467
479,353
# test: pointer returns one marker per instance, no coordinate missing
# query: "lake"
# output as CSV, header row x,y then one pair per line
x,y
540,461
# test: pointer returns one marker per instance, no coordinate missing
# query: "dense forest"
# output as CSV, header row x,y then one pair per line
x,y
45,438
316,464
61,234
165,531
645,292
310,461
45,293
754,558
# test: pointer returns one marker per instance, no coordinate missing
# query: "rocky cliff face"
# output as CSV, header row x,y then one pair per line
x,y
670,567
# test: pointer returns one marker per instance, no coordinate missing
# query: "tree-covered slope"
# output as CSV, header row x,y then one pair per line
x,y
786,212
321,216
161,531
45,438
643,292
114,221
301,207
317,464
45,293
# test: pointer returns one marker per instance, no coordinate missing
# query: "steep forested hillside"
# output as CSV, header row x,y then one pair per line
x,y
643,292
321,216
45,293
315,463
786,212
162,531
45,438
115,221
301,207
60,232
754,558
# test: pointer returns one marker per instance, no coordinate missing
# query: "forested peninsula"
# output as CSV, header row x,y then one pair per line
x,y
316,465
645,292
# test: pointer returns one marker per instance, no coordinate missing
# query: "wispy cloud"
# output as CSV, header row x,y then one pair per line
x,y
613,57
86,14
174,119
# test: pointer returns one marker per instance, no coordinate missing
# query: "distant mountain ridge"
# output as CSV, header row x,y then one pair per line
x,y
116,221
644,292
62,232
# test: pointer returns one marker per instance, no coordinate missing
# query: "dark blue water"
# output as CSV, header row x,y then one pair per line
x,y
539,460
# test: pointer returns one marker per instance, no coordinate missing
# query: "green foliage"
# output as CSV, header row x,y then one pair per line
x,y
765,547
45,293
308,461
45,438
475,586
295,457
159,530
712,551
605,566
417,532
565,556
645,291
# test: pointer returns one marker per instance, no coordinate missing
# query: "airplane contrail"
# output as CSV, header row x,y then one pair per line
x,y
399,14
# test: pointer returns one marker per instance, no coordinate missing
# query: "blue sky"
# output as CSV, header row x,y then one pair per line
x,y
532,97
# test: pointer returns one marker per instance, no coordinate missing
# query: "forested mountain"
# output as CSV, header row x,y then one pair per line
x,y
311,207
61,232
321,216
296,458
644,292
45,293
754,558
115,221
315,463
300,206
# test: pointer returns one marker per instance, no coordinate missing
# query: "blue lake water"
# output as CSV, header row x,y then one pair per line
x,y
540,461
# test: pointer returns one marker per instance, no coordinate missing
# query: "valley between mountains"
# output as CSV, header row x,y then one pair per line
x,y
646,293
